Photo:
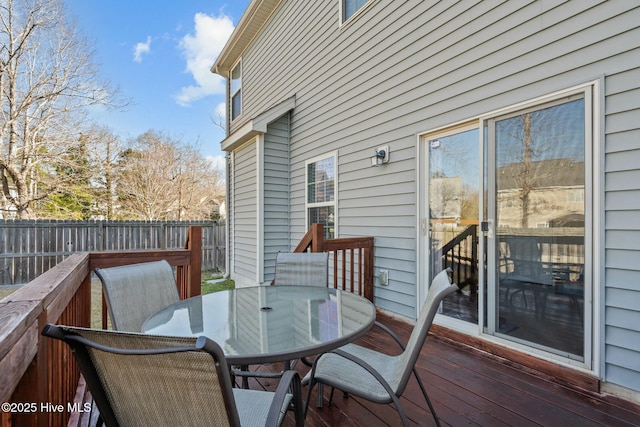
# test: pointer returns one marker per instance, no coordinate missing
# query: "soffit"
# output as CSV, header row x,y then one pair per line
x,y
252,20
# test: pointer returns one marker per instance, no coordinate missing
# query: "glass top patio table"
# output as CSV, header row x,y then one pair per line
x,y
268,323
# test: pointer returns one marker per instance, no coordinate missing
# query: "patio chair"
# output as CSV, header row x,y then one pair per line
x,y
302,268
295,268
146,380
375,376
135,292
525,272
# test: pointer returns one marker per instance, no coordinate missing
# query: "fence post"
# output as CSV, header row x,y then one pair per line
x,y
163,236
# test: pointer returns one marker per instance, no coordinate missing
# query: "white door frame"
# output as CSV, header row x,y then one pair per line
x,y
594,232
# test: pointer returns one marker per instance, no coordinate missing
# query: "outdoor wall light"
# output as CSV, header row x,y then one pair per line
x,y
381,157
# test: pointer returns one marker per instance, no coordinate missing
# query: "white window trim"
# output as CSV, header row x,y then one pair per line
x,y
352,17
334,203
231,94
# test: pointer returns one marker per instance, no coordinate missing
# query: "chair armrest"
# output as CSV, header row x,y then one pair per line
x,y
254,374
390,332
289,384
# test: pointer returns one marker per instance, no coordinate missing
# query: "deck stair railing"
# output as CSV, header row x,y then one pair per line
x,y
461,255
350,258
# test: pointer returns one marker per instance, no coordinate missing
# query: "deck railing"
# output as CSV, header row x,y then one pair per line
x,y
351,259
39,377
461,255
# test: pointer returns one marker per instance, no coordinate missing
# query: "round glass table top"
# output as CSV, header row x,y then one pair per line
x,y
268,323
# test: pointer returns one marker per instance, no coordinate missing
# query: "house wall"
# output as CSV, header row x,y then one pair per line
x,y
405,67
622,225
276,193
245,213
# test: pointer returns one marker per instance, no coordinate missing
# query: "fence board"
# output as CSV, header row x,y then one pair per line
x,y
28,248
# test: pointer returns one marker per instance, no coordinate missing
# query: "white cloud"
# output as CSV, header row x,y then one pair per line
x,y
221,112
219,162
141,49
200,51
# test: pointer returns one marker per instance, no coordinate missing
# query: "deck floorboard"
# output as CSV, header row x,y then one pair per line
x,y
470,388
467,388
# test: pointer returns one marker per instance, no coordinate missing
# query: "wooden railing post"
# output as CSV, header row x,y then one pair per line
x,y
317,238
190,277
368,271
312,240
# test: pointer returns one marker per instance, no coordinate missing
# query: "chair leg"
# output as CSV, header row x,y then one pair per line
x,y
306,403
331,396
426,397
321,396
245,380
403,417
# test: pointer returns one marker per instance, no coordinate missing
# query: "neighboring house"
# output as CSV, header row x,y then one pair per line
x,y
495,99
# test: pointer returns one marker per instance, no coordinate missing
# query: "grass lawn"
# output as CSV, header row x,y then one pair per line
x,y
212,282
5,292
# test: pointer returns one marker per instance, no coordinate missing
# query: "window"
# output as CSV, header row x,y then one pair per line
x,y
575,195
350,7
235,92
321,193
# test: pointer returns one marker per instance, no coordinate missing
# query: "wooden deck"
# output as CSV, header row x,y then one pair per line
x,y
470,388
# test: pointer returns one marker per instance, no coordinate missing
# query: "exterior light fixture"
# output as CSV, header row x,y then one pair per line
x,y
381,157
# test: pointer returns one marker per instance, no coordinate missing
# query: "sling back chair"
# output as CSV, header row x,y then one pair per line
x,y
135,292
146,380
524,272
302,269
295,268
375,376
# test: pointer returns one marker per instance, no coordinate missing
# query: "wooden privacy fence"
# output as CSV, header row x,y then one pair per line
x,y
28,248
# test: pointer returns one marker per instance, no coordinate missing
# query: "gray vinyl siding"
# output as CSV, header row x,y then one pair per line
x,y
622,229
276,193
245,211
405,67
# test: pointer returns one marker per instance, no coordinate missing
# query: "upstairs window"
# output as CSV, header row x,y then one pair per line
x,y
235,92
350,7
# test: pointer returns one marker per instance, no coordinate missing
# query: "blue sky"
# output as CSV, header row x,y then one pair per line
x,y
159,54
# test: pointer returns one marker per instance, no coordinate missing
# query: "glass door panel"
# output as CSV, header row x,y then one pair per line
x,y
453,188
539,245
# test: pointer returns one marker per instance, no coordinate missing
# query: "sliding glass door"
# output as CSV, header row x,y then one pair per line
x,y
506,204
536,206
453,191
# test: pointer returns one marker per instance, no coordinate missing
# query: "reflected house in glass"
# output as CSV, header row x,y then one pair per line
x,y
495,117
557,192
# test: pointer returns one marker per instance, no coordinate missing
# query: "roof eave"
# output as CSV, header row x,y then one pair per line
x,y
252,20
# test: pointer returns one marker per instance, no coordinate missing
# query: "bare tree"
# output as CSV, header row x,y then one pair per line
x,y
161,179
47,81
106,149
523,152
